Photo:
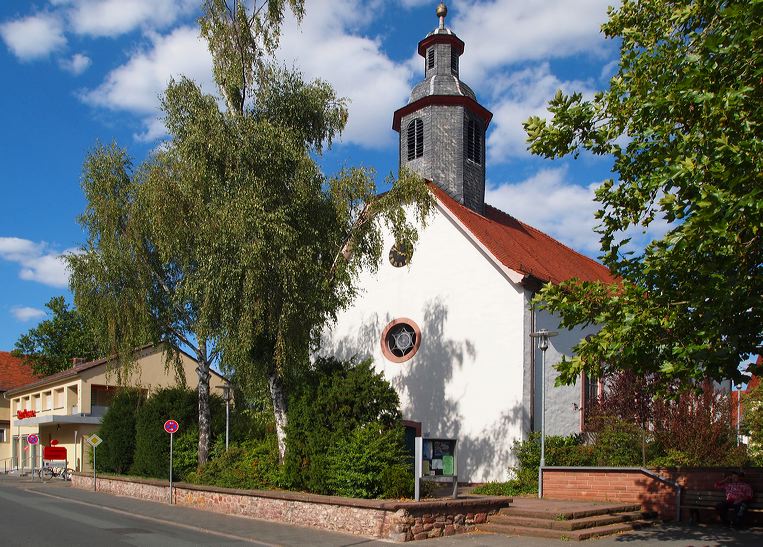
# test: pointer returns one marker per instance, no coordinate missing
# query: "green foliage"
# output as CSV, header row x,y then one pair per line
x,y
249,465
370,462
118,432
752,423
618,444
339,403
53,343
185,452
152,443
687,98
509,488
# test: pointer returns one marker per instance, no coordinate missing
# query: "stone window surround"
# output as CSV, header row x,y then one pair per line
x,y
385,348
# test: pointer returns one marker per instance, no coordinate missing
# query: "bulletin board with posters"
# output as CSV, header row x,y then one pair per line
x,y
436,460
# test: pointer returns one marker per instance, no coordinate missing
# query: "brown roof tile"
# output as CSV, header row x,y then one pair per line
x,y
521,247
13,372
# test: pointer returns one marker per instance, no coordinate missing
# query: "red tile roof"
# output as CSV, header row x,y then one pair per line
x,y
13,372
521,247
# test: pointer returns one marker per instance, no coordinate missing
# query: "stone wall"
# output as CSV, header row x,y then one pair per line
x,y
397,521
632,485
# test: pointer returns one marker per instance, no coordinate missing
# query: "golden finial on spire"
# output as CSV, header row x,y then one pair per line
x,y
442,12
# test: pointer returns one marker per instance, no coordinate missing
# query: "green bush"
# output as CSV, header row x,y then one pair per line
x,y
185,452
332,402
618,444
115,454
509,488
152,443
370,463
249,465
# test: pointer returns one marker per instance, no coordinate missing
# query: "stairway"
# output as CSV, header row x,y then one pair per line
x,y
567,522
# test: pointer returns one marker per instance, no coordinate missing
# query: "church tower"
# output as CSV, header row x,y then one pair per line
x,y
442,128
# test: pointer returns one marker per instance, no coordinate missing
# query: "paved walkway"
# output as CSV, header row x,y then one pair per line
x,y
239,529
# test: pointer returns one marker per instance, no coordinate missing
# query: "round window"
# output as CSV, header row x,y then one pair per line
x,y
400,340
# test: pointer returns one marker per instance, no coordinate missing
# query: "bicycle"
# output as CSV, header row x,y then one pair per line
x,y
49,471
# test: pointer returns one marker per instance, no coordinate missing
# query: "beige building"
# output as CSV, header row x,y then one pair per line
x,y
68,405
13,373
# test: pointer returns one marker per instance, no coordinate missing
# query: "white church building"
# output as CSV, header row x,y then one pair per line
x,y
450,328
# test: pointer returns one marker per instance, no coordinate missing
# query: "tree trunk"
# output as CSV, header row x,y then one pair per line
x,y
204,413
278,398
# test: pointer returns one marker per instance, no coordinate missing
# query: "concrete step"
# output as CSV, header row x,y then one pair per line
x,y
571,514
561,524
575,535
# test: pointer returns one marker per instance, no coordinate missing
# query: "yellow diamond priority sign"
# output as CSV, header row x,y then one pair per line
x,y
93,440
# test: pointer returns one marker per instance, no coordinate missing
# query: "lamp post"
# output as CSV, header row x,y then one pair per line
x,y
542,335
227,396
739,411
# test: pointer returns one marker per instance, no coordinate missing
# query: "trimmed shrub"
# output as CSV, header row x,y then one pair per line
x,y
618,444
249,465
152,443
333,403
185,453
116,453
370,463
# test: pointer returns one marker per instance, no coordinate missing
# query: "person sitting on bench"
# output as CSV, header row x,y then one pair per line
x,y
738,496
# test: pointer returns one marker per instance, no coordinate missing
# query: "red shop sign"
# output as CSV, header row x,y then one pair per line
x,y
21,414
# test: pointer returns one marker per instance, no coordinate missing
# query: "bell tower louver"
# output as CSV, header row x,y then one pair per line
x,y
442,128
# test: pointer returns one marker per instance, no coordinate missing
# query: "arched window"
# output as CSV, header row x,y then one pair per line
x,y
474,141
415,139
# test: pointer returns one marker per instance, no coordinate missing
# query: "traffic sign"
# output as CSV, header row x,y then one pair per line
x,y
93,440
33,439
171,426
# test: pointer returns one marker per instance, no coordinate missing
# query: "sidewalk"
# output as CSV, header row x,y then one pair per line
x,y
272,533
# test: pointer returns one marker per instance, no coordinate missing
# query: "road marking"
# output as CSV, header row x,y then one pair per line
x,y
159,521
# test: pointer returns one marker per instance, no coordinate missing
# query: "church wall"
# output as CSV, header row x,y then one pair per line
x,y
563,404
466,380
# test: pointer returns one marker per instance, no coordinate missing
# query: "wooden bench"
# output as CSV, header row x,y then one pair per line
x,y
696,500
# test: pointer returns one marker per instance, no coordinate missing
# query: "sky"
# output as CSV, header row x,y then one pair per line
x,y
80,72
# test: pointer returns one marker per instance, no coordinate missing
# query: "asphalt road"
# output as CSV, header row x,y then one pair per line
x,y
32,513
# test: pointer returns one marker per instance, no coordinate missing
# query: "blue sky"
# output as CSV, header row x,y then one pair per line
x,y
77,72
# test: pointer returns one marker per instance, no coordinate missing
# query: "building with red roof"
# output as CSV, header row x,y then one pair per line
x,y
449,325
13,373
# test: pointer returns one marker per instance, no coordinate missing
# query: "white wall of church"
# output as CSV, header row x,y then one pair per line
x,y
563,405
466,381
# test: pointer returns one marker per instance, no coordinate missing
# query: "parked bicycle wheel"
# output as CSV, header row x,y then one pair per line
x,y
67,474
46,473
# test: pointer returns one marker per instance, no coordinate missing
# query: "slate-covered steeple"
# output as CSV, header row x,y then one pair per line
x,y
442,128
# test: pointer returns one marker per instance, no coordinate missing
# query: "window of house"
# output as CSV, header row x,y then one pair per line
x,y
454,63
37,403
48,401
430,58
474,141
3,435
58,398
415,139
591,394
401,340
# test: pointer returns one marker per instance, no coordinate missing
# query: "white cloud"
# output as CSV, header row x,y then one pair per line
x,y
37,261
502,32
34,36
136,86
26,313
116,17
77,64
328,45
520,95
551,202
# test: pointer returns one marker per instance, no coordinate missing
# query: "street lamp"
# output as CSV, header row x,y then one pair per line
x,y
739,411
227,395
542,335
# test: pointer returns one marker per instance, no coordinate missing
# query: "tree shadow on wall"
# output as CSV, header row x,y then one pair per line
x,y
427,393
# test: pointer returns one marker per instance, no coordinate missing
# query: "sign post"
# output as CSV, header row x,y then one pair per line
x,y
93,440
171,427
33,440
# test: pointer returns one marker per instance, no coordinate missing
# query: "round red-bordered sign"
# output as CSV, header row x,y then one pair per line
x,y
171,426
33,439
